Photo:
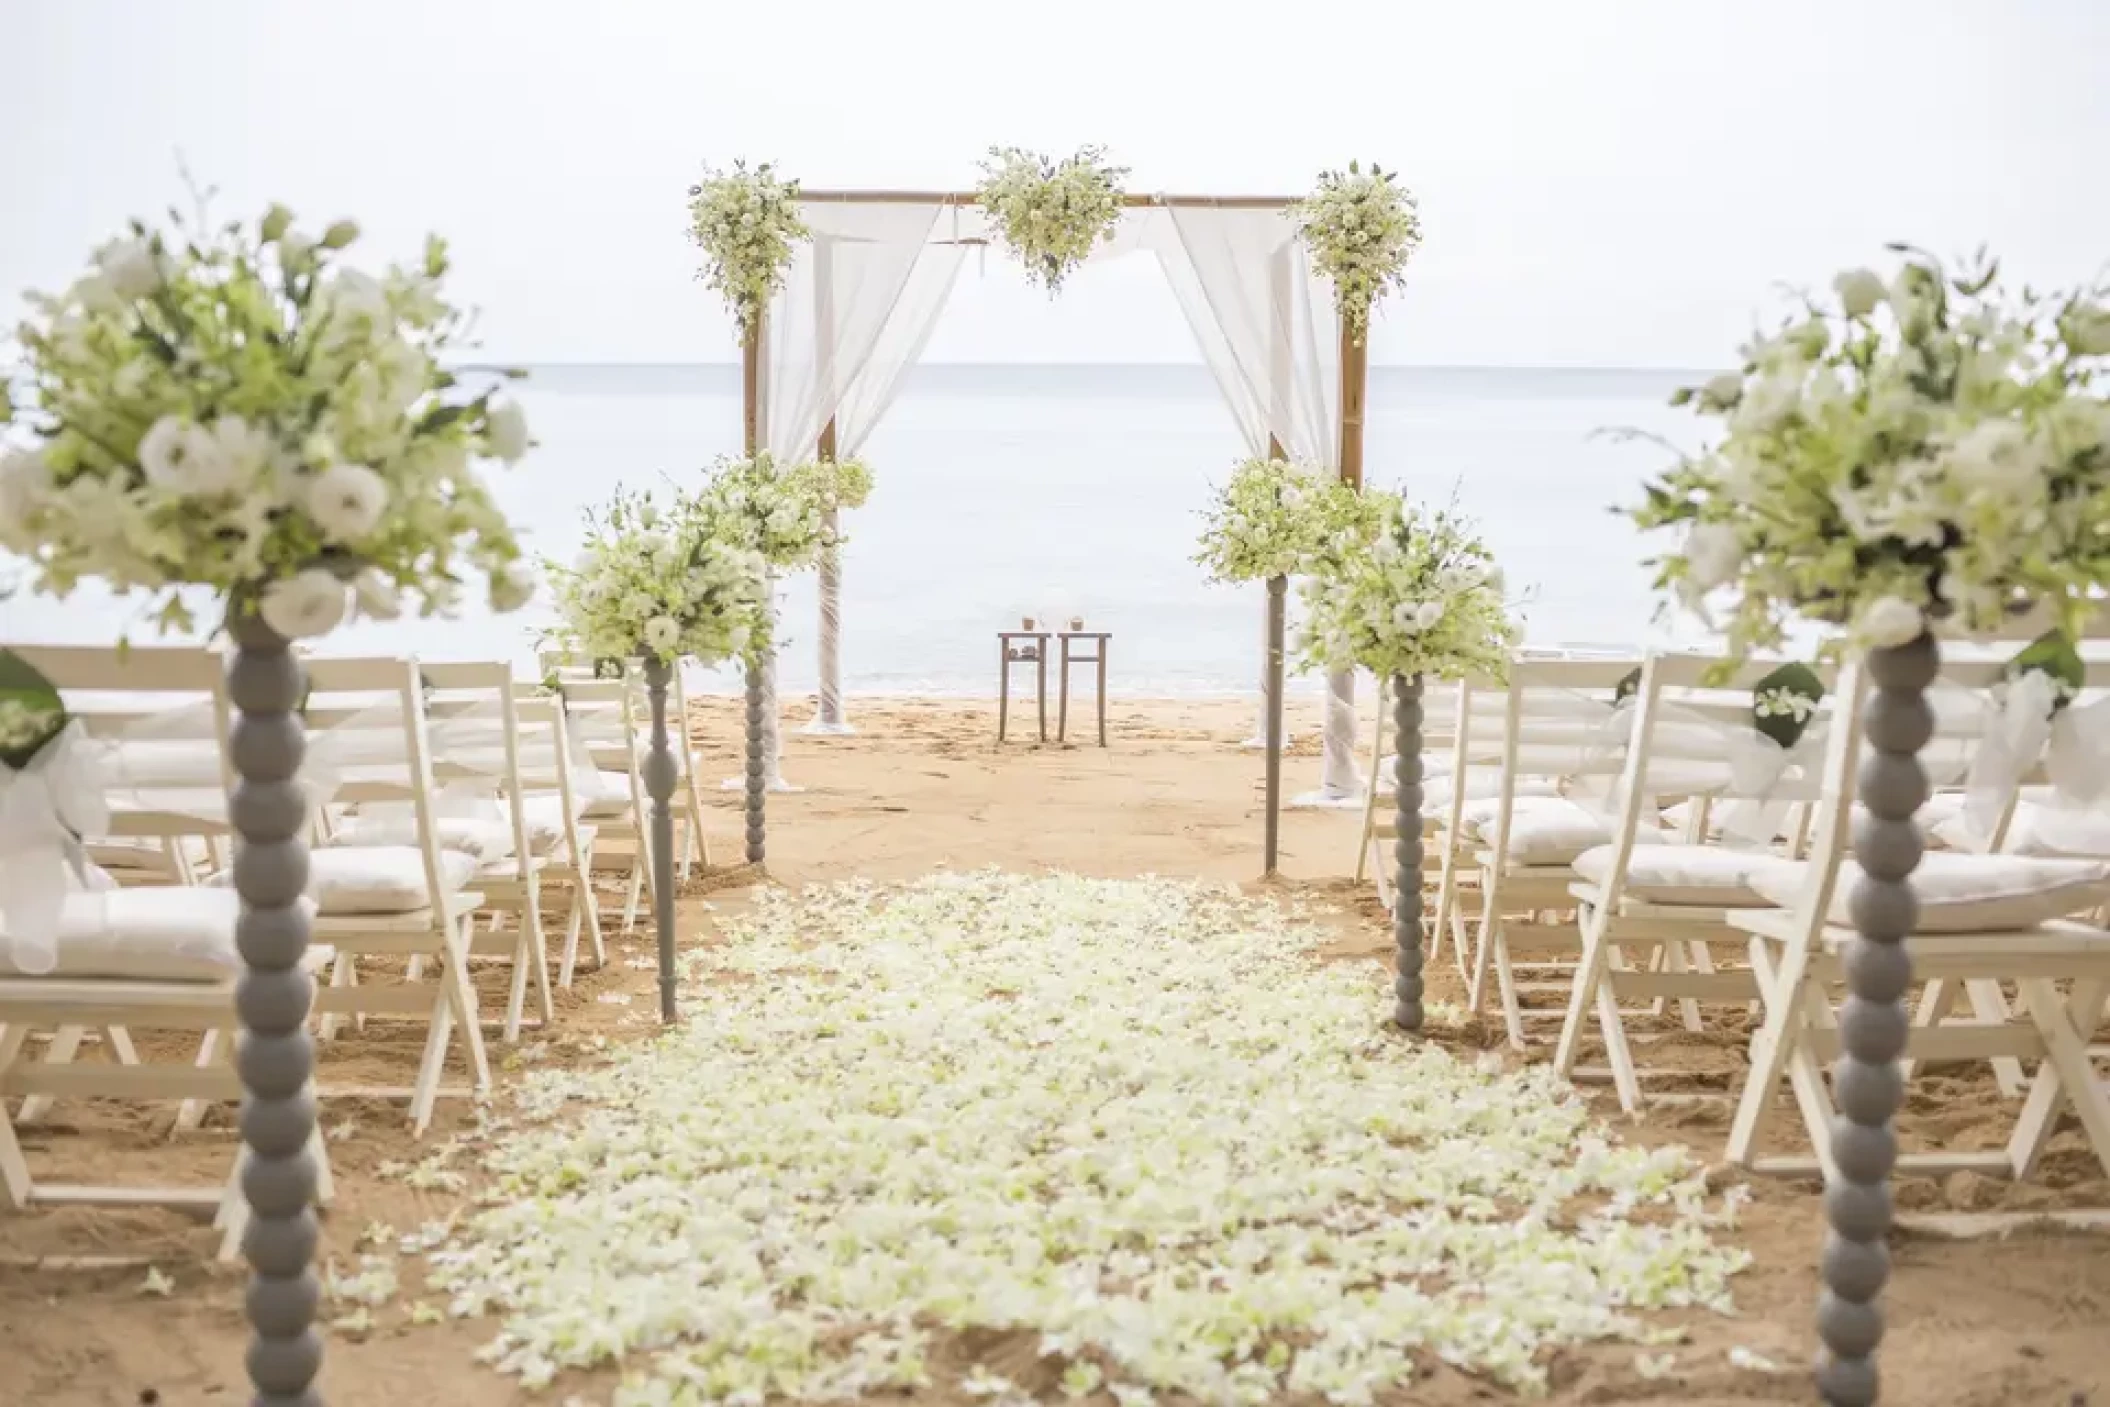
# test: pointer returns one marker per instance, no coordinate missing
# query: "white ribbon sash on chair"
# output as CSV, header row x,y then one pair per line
x,y
2025,728
1691,754
46,809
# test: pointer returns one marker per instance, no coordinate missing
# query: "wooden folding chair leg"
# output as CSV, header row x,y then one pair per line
x,y
579,891
1506,990
1989,1006
1582,995
1772,1049
192,1112
2066,1027
14,1169
65,1045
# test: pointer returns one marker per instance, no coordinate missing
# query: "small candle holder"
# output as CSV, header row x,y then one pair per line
x,y
1076,624
1026,623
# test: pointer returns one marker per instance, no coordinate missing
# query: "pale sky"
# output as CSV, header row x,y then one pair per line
x,y
1621,182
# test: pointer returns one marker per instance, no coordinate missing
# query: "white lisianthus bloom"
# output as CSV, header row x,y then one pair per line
x,y
1429,615
507,431
305,605
661,632
1860,291
184,459
132,267
512,587
1723,390
96,294
1768,401
25,485
2086,328
375,595
1993,457
347,502
1712,554
1890,621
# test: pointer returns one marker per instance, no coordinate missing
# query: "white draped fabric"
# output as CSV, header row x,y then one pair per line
x,y
856,308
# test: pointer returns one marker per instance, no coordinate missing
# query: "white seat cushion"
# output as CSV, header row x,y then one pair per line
x,y
1705,875
1550,830
346,881
2036,830
150,935
1961,893
610,798
1481,784
144,853
477,836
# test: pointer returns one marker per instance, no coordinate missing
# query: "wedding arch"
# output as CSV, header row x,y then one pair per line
x,y
863,292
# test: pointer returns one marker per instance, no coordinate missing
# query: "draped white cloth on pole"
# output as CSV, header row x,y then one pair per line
x,y
856,308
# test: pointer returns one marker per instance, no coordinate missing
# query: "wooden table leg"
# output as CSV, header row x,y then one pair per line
x,y
1062,692
1041,655
1103,644
1003,688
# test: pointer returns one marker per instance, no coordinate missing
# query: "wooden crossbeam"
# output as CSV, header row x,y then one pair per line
x,y
1133,200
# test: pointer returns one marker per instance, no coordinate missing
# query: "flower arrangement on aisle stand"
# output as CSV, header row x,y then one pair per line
x,y
775,512
1266,522
659,583
1417,596
233,408
747,224
1922,453
1361,228
1051,214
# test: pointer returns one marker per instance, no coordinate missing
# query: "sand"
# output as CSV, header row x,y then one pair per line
x,y
1979,1324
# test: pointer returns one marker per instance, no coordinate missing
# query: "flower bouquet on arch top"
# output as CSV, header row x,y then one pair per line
x,y
234,407
1926,448
1361,228
746,222
1051,214
1273,516
657,582
1414,595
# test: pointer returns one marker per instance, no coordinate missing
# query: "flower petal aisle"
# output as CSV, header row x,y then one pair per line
x,y
1137,1118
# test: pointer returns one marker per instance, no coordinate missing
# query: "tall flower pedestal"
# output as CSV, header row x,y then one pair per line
x,y
1272,722
1406,850
661,773
275,1058
1896,722
756,780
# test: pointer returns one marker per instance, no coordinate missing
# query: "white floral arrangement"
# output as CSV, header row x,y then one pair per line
x,y
768,509
1361,228
747,224
233,408
1926,448
1420,595
660,582
835,484
1051,214
1272,516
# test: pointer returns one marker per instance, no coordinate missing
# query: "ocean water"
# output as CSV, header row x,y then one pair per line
x,y
1002,490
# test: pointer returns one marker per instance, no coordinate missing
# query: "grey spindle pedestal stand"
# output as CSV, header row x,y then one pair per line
x,y
1406,849
1276,586
661,774
757,784
1896,722
275,1058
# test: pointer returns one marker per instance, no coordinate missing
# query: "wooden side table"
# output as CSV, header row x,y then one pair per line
x,y
1100,639
1010,652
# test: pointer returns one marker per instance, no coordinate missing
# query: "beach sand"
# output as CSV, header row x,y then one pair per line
x,y
2017,1322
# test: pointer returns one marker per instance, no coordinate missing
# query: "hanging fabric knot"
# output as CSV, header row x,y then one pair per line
x,y
47,808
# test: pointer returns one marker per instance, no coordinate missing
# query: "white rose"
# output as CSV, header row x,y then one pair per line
x,y
1712,555
506,429
347,501
1428,615
1405,618
246,448
131,266
1768,401
1994,456
1860,291
376,596
184,459
305,605
1890,622
661,633
351,299
512,586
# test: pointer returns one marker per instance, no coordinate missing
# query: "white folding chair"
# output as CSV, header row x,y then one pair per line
x,y
137,957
